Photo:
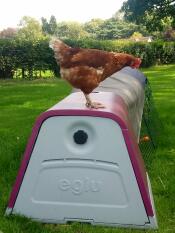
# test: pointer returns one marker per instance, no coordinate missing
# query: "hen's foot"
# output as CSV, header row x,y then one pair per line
x,y
95,105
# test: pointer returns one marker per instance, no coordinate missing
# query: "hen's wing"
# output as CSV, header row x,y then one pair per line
x,y
86,57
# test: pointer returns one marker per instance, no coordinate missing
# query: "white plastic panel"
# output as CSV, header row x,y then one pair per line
x,y
86,182
92,182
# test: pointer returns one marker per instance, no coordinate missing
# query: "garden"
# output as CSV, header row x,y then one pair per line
x,y
30,84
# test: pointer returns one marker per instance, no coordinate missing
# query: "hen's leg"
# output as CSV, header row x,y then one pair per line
x,y
91,104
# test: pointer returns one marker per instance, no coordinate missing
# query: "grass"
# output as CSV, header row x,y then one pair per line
x,y
22,101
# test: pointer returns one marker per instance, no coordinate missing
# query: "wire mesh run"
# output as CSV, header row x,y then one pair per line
x,y
151,126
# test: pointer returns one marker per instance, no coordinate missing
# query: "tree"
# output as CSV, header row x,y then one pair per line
x,y
73,30
30,29
149,12
112,28
93,27
115,29
45,26
49,27
53,25
8,58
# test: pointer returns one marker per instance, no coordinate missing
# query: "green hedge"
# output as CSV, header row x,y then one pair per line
x,y
29,57
26,56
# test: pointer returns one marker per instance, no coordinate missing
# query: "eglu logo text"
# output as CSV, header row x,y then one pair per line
x,y
80,186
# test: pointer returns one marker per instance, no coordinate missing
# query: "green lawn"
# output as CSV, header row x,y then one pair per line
x,y
22,101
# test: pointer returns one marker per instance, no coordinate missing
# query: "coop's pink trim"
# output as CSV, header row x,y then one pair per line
x,y
117,112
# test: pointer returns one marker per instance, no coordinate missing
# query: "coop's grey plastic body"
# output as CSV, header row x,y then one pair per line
x,y
102,181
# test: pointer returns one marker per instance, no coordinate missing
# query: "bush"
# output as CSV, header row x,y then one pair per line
x,y
29,57
8,59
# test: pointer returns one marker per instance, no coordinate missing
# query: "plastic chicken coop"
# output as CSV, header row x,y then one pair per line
x,y
85,165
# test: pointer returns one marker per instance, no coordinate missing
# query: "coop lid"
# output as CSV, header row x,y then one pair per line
x,y
135,73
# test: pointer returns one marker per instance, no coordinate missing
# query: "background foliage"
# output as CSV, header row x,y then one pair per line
x,y
152,13
26,58
25,52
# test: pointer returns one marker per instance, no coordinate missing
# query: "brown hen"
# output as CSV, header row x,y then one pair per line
x,y
86,68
